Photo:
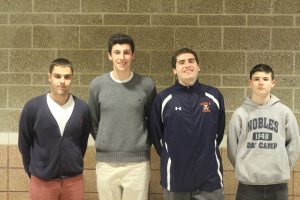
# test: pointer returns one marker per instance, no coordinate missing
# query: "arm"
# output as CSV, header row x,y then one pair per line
x,y
86,130
222,118
292,139
234,130
25,139
156,125
94,107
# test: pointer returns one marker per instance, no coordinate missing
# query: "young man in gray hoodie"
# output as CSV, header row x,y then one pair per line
x,y
263,141
120,102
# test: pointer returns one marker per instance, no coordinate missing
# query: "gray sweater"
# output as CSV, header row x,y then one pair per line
x,y
119,114
263,142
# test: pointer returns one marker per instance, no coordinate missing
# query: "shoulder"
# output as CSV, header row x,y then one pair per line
x,y
211,89
35,101
80,102
145,80
99,79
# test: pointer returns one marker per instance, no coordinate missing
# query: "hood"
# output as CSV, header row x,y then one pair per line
x,y
248,101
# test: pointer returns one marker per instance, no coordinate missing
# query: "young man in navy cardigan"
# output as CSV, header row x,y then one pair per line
x,y
53,134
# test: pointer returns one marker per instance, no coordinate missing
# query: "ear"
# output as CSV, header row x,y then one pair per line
x,y
174,71
249,82
274,82
49,77
109,56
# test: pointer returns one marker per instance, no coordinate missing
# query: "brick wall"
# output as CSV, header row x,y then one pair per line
x,y
230,36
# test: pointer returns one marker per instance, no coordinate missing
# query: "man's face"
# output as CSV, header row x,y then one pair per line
x,y
261,83
121,56
60,80
186,68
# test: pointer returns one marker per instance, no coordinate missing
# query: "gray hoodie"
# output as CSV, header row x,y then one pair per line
x,y
263,142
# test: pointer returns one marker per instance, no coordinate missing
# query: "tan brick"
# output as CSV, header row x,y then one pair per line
x,y
230,182
3,182
3,97
287,81
227,166
265,20
90,196
235,81
297,65
80,91
222,20
126,19
85,79
19,95
15,158
3,60
155,159
200,7
297,166
213,80
297,105
218,62
84,61
291,184
141,63
55,37
281,62
151,6
155,197
9,120
16,6
155,186
89,158
108,6
229,197
92,37
18,196
152,37
286,7
163,80
56,6
233,97
15,36
15,79
174,20
31,60
285,95
3,156
18,180
3,19
198,38
246,38
245,6
79,19
285,38
161,62
3,195
32,19
90,184
296,190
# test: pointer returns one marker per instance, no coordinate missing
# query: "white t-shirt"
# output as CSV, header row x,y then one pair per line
x,y
61,113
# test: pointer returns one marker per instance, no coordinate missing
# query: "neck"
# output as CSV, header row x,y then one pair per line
x,y
261,100
121,76
187,82
60,99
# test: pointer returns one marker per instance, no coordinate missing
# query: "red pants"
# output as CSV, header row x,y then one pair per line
x,y
57,189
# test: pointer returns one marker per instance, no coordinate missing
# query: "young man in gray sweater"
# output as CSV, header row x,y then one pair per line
x,y
119,102
263,141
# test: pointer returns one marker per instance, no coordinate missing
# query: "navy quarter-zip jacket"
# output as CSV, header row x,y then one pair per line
x,y
45,152
187,125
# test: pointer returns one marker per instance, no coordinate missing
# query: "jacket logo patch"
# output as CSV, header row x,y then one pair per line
x,y
178,108
205,106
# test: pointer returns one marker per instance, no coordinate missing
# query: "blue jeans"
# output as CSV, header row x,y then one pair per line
x,y
262,192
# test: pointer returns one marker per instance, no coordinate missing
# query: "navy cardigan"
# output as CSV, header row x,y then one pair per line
x,y
45,153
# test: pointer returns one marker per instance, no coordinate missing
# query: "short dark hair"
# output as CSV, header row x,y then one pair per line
x,y
63,62
182,51
262,68
120,38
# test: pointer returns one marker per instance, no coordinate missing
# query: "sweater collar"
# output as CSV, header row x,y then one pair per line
x,y
195,86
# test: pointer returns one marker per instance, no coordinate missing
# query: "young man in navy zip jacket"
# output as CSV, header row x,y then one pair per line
x,y
187,123
53,134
